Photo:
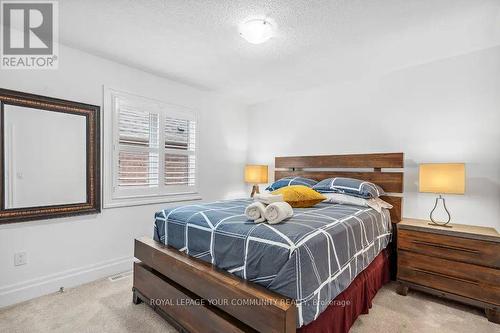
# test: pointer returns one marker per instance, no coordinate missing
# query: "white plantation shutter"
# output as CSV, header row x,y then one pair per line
x,y
180,148
138,157
154,149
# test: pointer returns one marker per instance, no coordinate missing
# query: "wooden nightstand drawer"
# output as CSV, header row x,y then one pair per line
x,y
472,251
481,283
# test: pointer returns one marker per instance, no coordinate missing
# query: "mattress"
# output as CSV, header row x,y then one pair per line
x,y
311,258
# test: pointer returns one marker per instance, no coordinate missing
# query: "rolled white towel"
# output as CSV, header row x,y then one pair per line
x,y
277,212
268,198
255,212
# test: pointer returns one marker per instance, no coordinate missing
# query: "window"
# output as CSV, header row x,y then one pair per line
x,y
138,150
153,151
180,147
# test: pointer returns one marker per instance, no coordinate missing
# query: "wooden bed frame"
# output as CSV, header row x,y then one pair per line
x,y
195,296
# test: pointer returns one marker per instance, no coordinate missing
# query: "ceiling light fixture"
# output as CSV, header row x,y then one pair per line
x,y
256,31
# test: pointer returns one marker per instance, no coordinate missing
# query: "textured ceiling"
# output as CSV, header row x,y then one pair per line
x,y
318,41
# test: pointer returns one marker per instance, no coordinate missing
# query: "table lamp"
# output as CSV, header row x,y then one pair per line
x,y
442,178
255,174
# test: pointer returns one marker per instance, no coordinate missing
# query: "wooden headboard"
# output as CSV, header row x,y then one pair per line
x,y
323,166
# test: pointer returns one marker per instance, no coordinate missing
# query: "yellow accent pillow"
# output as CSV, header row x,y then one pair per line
x,y
300,196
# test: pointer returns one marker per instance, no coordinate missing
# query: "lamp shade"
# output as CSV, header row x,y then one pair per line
x,y
256,174
442,178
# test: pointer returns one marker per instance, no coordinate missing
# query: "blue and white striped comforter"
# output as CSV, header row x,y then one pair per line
x,y
311,258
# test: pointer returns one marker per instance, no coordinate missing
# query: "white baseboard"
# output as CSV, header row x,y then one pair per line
x,y
25,290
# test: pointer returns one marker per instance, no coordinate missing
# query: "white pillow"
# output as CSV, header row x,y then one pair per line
x,y
378,204
340,198
344,199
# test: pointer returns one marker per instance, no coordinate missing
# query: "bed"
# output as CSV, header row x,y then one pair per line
x,y
210,269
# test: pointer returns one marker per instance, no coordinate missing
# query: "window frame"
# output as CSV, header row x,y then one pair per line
x,y
118,197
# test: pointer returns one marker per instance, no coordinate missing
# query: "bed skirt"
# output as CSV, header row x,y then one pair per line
x,y
342,312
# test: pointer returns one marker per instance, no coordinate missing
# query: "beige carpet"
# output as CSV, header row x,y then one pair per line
x,y
105,306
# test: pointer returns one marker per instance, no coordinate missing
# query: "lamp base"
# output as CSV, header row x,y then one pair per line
x,y
440,225
255,189
437,223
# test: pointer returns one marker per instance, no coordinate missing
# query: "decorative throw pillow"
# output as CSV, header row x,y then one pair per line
x,y
287,181
300,196
350,186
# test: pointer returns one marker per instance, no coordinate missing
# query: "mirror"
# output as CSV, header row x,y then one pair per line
x,y
49,157
44,157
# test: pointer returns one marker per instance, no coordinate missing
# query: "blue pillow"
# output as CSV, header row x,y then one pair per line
x,y
350,186
287,181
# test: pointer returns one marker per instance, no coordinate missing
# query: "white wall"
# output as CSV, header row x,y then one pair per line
x,y
69,251
444,111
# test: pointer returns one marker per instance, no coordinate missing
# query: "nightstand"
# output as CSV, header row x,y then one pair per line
x,y
460,263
